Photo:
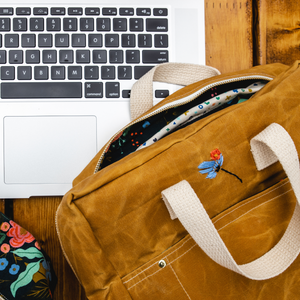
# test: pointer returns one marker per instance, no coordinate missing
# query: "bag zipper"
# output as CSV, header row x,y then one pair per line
x,y
176,103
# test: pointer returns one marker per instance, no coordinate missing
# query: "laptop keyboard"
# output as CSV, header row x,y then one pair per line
x,y
79,52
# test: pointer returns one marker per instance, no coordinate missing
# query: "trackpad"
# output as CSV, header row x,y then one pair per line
x,y
47,149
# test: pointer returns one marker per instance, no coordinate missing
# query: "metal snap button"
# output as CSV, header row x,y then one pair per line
x,y
162,263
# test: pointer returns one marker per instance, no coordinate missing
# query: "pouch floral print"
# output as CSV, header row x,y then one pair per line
x,y
25,270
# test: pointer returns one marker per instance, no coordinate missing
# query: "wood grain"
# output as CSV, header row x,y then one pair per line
x,y
37,215
277,27
228,33
2,205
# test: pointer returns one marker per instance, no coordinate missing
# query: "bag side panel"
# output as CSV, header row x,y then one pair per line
x,y
85,256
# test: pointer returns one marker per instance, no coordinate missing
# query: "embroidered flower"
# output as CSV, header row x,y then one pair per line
x,y
5,248
19,235
215,154
4,226
214,166
14,269
3,263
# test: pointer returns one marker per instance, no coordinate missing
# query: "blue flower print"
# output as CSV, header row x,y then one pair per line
x,y
14,269
3,263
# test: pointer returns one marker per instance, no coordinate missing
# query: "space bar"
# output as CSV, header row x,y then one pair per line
x,y
28,90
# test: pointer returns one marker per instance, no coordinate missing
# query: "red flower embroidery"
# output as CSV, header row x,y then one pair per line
x,y
215,154
19,235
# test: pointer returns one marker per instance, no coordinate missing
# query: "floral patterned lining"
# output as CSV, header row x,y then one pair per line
x,y
25,270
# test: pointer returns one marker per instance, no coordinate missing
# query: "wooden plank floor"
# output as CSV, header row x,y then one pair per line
x,y
230,37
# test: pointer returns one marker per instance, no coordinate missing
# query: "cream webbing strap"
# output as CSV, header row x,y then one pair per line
x,y
271,145
141,96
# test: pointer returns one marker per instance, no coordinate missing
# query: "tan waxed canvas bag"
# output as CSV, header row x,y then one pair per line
x,y
198,197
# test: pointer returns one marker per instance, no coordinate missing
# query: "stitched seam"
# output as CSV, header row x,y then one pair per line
x,y
184,253
160,269
144,279
179,281
255,208
156,261
251,201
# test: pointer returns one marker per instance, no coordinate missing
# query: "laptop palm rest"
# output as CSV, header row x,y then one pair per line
x,y
66,143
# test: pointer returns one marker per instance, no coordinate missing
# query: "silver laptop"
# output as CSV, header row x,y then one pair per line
x,y
66,71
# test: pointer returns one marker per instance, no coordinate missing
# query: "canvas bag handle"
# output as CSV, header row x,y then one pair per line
x,y
271,145
141,95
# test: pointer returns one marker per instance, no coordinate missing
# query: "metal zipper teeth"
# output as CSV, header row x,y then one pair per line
x,y
176,103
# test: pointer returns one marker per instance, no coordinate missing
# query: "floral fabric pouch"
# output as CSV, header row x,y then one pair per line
x,y
25,269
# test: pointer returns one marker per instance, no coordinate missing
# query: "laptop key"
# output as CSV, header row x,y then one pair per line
x,y
41,73
143,11
132,56
28,40
32,56
108,72
57,72
36,24
87,24
53,24
126,11
139,71
136,24
25,90
99,56
157,25
6,11
66,56
74,72
7,73
20,24
106,11
91,72
40,11
73,11
155,56
49,56
61,40
24,73
93,90
16,56
112,89
23,11
160,11
103,24
58,11
111,40
45,40
4,24
70,24
89,11
12,40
